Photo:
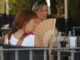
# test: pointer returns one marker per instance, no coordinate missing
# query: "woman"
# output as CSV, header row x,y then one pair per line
x,y
41,9
21,34
24,23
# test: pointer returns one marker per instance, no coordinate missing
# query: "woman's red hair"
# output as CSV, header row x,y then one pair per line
x,y
22,16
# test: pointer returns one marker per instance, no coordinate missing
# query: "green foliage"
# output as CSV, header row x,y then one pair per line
x,y
74,11
16,5
73,8
60,8
0,1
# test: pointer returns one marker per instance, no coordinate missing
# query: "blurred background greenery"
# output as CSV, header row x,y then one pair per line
x,y
74,9
16,5
57,7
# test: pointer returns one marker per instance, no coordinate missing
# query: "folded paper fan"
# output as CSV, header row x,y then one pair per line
x,y
43,32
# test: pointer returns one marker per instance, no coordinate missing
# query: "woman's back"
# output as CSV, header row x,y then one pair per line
x,y
28,41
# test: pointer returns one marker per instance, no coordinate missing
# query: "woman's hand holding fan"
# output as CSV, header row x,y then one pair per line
x,y
44,33
52,41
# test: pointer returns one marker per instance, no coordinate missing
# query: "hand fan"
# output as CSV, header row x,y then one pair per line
x,y
43,32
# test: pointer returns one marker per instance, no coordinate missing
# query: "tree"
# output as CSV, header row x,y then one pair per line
x,y
16,5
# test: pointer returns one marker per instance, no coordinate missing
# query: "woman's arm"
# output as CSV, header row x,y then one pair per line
x,y
5,38
52,42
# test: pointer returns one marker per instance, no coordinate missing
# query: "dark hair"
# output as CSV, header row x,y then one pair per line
x,y
38,5
22,17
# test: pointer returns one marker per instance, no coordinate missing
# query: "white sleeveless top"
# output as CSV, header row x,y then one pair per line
x,y
28,41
